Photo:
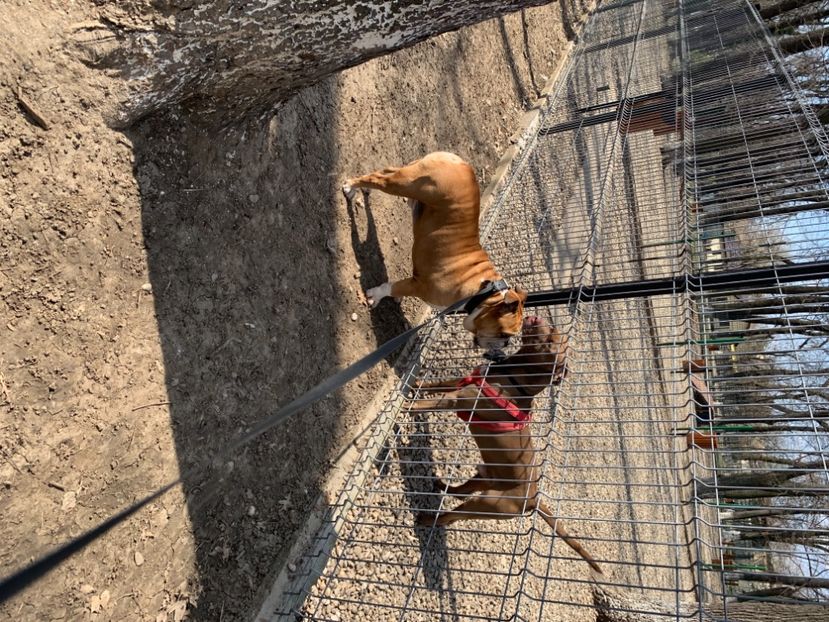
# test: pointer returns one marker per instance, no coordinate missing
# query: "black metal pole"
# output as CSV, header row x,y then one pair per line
x,y
709,282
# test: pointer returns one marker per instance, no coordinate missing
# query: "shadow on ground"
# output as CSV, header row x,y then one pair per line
x,y
423,493
239,234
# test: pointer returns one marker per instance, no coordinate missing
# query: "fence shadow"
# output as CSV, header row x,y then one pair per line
x,y
417,468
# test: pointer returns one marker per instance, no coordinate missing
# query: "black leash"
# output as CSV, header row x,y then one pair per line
x,y
12,584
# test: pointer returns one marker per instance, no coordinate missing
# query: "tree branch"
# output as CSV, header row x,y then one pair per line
x,y
801,43
768,12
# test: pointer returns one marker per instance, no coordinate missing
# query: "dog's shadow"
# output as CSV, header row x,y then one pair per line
x,y
387,319
417,469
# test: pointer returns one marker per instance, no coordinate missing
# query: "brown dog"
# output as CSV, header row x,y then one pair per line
x,y
508,477
448,261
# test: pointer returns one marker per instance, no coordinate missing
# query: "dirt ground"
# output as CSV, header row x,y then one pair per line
x,y
164,288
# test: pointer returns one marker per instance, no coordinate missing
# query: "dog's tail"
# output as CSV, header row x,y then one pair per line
x,y
574,544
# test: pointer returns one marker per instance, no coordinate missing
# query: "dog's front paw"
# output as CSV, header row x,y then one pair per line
x,y
348,190
376,294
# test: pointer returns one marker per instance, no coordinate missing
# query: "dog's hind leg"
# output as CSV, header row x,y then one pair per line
x,y
475,484
433,180
497,505
469,487
393,180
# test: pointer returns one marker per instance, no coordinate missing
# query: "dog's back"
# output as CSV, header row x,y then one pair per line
x,y
449,263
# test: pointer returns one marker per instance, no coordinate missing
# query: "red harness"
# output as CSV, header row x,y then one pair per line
x,y
520,417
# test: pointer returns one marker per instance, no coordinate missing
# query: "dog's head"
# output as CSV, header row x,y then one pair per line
x,y
540,338
497,319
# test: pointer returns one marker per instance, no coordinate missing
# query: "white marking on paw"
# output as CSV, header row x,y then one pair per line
x,y
348,190
376,294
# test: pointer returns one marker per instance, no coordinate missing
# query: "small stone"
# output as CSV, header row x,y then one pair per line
x,y
70,500
104,598
139,559
147,287
395,241
292,567
252,511
253,198
87,589
354,317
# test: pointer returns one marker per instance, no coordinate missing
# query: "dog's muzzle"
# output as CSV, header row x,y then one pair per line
x,y
494,346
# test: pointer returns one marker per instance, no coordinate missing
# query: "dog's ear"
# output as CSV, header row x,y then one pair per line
x,y
514,299
508,302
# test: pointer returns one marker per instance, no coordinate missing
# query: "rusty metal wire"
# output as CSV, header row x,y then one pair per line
x,y
686,448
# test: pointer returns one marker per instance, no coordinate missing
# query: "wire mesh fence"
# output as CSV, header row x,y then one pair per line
x,y
681,435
